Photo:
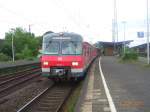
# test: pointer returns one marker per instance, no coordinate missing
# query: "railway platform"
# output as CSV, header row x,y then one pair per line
x,y
93,97
125,89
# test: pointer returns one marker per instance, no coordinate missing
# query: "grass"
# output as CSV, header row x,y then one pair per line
x,y
147,66
70,104
137,62
21,60
128,61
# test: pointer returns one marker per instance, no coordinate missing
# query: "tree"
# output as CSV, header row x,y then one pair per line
x,y
23,42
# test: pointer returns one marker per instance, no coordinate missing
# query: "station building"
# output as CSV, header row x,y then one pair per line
x,y
141,49
112,48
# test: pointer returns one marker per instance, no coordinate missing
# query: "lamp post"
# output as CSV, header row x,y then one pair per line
x,y
12,46
124,25
147,33
115,25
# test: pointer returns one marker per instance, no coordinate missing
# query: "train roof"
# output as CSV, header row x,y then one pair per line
x,y
72,36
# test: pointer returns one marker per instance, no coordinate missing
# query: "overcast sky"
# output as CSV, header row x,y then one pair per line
x,y
90,18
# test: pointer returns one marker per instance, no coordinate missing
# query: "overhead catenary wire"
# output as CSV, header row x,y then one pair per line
x,y
70,16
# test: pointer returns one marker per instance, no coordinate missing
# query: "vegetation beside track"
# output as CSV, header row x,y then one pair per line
x,y
70,104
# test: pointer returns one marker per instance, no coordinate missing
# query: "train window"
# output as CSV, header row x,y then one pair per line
x,y
51,47
87,51
90,51
84,51
71,47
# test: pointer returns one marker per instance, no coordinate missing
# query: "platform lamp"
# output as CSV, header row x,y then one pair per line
x,y
148,32
124,46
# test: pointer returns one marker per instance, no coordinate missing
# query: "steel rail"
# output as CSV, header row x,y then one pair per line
x,y
7,75
24,74
51,99
9,89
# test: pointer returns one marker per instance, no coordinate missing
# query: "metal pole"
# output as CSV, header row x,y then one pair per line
x,y
29,28
124,48
113,35
12,45
148,33
115,25
13,48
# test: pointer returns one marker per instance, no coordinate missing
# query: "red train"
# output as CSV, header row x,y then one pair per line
x,y
65,56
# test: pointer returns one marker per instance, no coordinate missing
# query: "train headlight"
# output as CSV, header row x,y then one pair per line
x,y
75,63
45,63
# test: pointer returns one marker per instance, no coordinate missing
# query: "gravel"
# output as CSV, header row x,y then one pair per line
x,y
16,100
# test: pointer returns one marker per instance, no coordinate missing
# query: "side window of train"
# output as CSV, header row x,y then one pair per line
x,y
84,50
87,51
90,51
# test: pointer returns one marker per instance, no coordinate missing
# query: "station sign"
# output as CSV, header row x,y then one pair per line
x,y
140,34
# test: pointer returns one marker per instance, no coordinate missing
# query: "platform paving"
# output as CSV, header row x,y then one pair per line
x,y
128,83
94,98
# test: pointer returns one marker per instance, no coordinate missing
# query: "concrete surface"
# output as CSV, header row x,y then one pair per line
x,y
128,83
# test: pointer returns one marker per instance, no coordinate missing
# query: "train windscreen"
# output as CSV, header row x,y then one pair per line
x,y
61,46
51,47
71,48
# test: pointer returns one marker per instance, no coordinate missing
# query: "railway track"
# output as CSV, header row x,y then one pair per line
x,y
50,100
17,81
14,74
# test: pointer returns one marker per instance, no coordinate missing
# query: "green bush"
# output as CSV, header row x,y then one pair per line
x,y
19,56
130,56
4,57
25,54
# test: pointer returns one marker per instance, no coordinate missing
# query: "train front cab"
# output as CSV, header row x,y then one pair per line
x,y
62,57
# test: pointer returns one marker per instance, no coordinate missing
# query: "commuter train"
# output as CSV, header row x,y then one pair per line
x,y
65,56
